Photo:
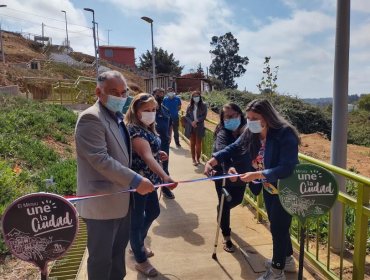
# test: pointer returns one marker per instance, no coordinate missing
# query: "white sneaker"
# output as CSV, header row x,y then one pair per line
x,y
289,264
273,274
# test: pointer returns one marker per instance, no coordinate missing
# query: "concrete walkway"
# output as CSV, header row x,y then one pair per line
x,y
182,237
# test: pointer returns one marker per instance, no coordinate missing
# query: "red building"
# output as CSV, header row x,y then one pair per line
x,y
117,54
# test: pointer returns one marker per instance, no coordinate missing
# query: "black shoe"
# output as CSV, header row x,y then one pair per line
x,y
167,193
178,145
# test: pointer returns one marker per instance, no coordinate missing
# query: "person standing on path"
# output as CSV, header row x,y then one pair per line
x,y
231,126
195,115
163,127
146,144
103,149
173,104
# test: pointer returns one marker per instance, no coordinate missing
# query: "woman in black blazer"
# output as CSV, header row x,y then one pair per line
x,y
230,127
195,116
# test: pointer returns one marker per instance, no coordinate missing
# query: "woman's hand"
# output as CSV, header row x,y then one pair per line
x,y
251,176
232,170
194,124
208,170
163,156
168,179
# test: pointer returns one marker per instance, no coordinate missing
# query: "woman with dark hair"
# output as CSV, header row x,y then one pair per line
x,y
271,146
146,157
195,115
230,127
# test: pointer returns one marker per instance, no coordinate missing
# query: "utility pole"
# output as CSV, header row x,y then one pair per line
x,y
1,44
1,39
42,30
340,113
97,35
108,34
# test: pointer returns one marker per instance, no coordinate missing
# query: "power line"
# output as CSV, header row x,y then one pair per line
x,y
44,17
37,23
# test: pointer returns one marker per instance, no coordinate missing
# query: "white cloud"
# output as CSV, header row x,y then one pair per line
x,y
302,43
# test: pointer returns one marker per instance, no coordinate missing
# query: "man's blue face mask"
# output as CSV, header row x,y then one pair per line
x,y
115,103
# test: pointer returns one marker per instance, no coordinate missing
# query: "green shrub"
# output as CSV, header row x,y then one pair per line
x,y
64,176
359,128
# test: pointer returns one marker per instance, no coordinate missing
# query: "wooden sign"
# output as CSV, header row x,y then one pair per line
x,y
309,192
39,228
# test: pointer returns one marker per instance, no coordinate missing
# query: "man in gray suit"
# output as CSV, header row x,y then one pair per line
x,y
103,166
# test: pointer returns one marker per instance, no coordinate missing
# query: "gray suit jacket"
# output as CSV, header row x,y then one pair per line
x,y
103,165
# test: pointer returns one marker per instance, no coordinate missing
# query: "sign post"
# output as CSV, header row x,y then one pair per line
x,y
309,192
39,228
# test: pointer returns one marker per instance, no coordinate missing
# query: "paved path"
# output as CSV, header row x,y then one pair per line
x,y
182,237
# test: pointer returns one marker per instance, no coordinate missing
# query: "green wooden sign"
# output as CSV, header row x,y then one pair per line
x,y
309,192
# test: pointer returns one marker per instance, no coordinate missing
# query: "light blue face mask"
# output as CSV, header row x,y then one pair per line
x,y
115,104
196,99
232,124
254,126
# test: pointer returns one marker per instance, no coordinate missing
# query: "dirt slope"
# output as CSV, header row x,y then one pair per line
x,y
21,50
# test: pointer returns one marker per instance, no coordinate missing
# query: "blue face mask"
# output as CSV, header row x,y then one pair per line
x,y
232,124
115,104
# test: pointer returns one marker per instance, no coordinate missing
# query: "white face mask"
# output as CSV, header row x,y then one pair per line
x,y
171,94
148,118
254,126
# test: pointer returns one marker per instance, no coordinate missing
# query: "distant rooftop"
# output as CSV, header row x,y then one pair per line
x,y
116,47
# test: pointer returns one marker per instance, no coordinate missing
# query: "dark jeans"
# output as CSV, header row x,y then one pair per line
x,y
106,243
237,193
280,222
175,128
165,147
145,210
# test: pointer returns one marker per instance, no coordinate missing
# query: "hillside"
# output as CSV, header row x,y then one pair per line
x,y
19,51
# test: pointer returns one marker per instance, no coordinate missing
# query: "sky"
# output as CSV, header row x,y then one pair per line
x,y
299,35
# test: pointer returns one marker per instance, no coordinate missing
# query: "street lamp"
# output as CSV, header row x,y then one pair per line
x,y
149,20
95,50
1,38
65,16
97,34
108,34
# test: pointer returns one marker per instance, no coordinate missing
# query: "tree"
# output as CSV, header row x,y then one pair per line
x,y
164,63
364,102
200,71
227,64
268,82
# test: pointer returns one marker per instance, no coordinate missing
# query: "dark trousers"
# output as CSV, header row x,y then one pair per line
x,y
165,147
145,210
106,243
175,128
280,222
237,193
